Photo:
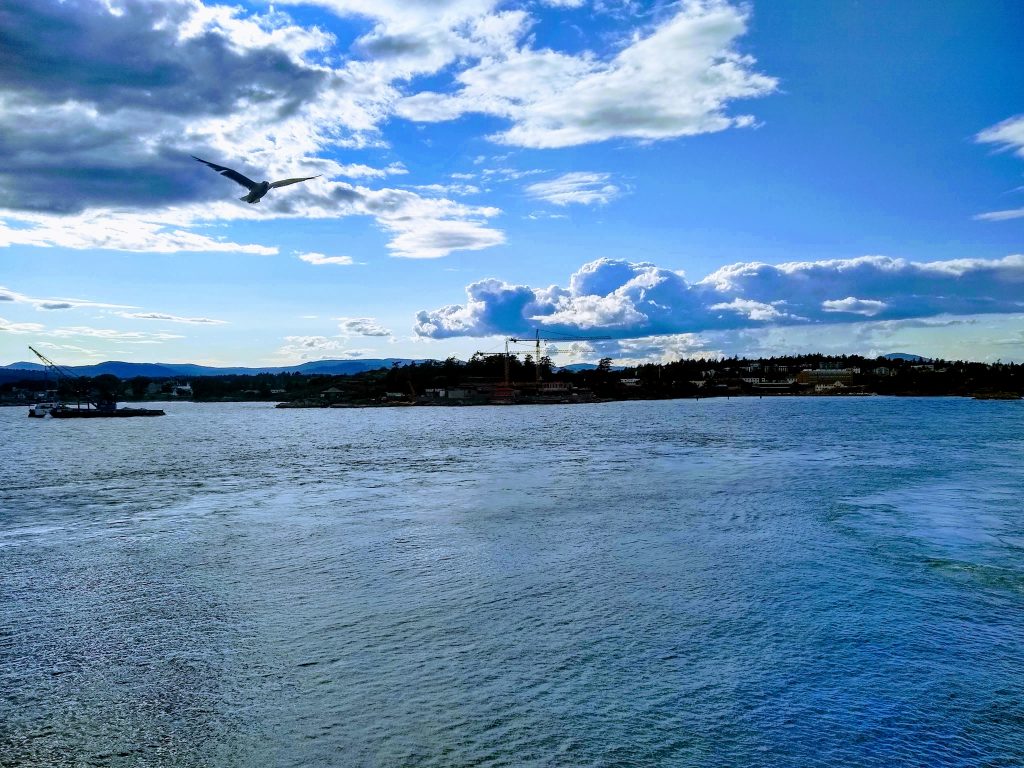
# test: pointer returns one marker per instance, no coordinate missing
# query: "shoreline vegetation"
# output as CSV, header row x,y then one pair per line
x,y
494,380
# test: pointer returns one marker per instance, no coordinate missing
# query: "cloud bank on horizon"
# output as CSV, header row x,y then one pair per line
x,y
638,299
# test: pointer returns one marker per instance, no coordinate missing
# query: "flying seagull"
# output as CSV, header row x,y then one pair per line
x,y
257,189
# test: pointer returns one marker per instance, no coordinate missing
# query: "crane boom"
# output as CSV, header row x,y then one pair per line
x,y
537,339
80,390
60,370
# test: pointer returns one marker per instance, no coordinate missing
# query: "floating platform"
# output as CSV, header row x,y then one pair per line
x,y
96,413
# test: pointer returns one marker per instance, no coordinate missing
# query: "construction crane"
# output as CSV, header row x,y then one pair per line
x,y
62,375
537,339
59,371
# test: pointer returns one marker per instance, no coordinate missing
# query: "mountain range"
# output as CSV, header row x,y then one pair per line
x,y
125,370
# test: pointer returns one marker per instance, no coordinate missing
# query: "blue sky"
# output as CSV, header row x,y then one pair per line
x,y
688,178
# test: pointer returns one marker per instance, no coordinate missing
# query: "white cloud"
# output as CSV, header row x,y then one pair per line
x,y
316,347
853,305
575,188
1008,135
69,348
95,162
129,337
6,294
10,326
459,190
170,318
759,311
359,171
119,231
361,326
319,259
675,81
627,299
420,226
1015,213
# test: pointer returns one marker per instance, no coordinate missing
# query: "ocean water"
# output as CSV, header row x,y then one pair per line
x,y
744,582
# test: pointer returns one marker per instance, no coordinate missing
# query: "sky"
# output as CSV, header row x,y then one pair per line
x,y
681,179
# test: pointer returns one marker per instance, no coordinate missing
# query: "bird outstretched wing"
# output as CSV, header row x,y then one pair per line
x,y
224,171
286,182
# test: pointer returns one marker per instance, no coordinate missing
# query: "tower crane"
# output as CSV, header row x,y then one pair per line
x,y
537,339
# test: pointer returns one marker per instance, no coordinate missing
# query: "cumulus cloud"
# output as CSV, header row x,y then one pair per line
x,y
628,299
361,326
678,80
101,103
854,306
575,188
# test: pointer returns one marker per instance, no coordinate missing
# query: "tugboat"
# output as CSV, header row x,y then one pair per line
x,y
42,410
87,405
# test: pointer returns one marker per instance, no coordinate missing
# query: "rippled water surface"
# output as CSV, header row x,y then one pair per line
x,y
777,582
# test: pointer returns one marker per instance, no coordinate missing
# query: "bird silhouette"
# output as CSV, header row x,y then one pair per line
x,y
257,189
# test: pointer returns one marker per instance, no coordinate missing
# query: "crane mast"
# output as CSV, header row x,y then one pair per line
x,y
536,340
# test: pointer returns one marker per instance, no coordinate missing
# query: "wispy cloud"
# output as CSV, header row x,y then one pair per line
x,y
306,348
361,326
9,326
319,259
1007,135
6,294
359,171
1015,213
170,318
576,188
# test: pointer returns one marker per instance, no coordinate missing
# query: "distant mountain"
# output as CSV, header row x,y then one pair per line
x,y
906,356
125,370
575,367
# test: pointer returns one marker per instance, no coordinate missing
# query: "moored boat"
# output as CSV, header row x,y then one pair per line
x,y
42,410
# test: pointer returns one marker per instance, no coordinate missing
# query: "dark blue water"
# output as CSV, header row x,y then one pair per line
x,y
777,582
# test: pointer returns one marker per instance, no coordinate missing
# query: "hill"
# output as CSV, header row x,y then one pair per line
x,y
125,370
907,357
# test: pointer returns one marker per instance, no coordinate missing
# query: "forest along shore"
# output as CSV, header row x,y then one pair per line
x,y
486,380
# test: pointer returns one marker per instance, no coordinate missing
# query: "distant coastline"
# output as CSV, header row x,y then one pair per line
x,y
496,379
